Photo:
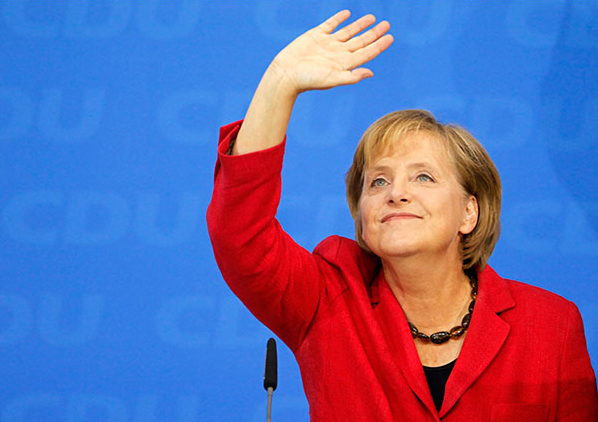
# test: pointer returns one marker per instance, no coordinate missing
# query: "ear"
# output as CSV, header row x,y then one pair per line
x,y
470,216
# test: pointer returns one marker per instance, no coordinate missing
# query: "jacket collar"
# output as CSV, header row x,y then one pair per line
x,y
494,291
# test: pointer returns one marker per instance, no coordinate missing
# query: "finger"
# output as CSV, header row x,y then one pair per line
x,y
362,73
368,37
330,24
355,28
354,76
371,51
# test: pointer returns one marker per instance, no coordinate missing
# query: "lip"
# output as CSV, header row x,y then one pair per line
x,y
399,216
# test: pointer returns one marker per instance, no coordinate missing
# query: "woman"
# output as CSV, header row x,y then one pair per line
x,y
407,323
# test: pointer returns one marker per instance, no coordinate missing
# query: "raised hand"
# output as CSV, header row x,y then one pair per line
x,y
319,59
322,58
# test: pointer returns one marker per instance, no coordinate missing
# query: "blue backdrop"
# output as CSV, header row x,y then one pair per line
x,y
111,305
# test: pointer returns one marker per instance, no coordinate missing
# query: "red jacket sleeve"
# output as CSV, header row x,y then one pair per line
x,y
279,281
578,398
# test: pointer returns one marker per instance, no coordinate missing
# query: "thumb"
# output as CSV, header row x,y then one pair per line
x,y
362,73
354,76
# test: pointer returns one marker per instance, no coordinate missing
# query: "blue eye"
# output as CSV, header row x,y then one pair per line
x,y
424,178
378,182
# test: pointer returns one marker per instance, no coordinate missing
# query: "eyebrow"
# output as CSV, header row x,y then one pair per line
x,y
416,165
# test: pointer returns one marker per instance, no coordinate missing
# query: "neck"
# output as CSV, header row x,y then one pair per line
x,y
433,293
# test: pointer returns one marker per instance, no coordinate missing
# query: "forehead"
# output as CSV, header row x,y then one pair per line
x,y
418,145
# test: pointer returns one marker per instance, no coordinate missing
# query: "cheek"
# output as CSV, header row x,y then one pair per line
x,y
361,210
364,219
365,211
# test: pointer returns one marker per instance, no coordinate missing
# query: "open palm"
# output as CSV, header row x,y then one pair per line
x,y
322,58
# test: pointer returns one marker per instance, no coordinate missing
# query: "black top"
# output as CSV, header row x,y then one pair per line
x,y
437,377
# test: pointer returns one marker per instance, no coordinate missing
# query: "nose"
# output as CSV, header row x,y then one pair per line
x,y
399,193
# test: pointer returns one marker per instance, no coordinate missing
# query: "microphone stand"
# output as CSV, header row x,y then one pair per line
x,y
269,411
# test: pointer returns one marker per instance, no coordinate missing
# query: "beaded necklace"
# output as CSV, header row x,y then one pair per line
x,y
455,332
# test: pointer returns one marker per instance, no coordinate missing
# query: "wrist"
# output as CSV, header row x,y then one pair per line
x,y
278,78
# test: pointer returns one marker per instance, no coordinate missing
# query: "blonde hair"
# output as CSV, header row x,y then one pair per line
x,y
475,171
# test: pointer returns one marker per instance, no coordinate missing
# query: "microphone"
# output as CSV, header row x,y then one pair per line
x,y
270,374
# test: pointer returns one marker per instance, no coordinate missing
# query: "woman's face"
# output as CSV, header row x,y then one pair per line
x,y
412,202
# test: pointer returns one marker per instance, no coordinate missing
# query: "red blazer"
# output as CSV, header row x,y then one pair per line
x,y
524,357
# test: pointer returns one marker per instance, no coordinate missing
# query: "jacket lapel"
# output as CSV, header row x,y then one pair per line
x,y
488,329
396,330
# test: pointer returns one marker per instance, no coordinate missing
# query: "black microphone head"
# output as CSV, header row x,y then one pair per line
x,y
271,372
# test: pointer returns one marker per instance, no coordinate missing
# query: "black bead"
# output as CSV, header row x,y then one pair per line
x,y
440,337
471,305
466,320
414,330
457,331
423,337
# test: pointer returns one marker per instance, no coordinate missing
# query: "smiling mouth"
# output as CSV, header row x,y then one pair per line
x,y
400,216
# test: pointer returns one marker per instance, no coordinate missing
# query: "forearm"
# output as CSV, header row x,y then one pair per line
x,y
267,118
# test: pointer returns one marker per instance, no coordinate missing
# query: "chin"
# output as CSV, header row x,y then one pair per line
x,y
394,250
